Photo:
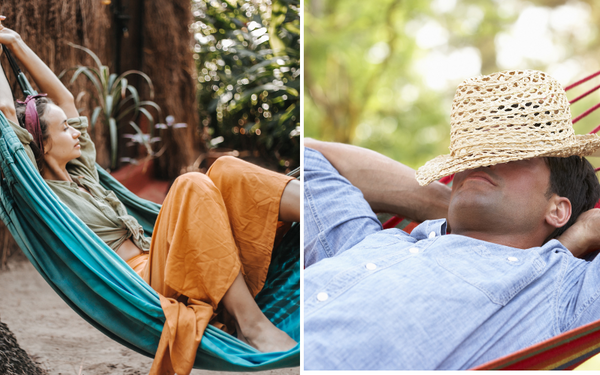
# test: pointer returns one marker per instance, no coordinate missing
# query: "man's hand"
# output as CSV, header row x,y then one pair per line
x,y
583,236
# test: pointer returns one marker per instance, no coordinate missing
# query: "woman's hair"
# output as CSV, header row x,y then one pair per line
x,y
41,104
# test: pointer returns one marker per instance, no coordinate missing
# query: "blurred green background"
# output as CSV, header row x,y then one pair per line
x,y
382,74
248,62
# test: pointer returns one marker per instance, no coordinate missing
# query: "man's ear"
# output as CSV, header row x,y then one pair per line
x,y
559,211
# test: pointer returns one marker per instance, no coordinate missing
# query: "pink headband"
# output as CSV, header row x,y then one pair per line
x,y
32,120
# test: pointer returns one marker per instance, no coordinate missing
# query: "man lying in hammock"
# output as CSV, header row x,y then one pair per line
x,y
211,246
383,299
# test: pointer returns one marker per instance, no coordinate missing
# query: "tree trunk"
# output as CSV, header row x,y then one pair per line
x,y
13,359
158,42
168,60
47,26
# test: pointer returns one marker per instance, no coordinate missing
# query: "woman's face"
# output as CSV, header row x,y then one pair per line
x,y
62,144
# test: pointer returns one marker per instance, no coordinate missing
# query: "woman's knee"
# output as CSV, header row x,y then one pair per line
x,y
226,169
194,180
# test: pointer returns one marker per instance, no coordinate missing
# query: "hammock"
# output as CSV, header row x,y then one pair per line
x,y
567,350
97,284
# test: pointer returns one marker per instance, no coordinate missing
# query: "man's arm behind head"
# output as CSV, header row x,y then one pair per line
x,y
574,178
387,185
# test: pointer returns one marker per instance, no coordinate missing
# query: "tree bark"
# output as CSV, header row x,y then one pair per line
x,y
13,359
168,60
47,26
159,43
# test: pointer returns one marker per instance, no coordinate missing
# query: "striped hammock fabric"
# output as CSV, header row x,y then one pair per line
x,y
563,352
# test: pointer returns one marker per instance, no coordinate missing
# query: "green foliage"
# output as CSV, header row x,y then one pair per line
x,y
367,77
247,57
117,100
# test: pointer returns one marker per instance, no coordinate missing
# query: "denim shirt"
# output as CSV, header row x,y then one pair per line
x,y
428,300
424,301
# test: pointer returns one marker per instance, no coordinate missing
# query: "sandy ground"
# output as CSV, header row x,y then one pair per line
x,y
59,339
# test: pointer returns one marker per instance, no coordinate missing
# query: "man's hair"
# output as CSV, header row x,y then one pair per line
x,y
573,178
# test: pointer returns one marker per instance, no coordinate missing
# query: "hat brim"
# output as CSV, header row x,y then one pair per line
x,y
445,165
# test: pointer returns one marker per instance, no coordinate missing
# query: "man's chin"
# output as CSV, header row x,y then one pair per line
x,y
471,215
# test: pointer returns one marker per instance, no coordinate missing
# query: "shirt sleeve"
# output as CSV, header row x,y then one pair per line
x,y
581,292
85,165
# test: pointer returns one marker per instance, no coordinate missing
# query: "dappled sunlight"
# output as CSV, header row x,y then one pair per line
x,y
431,34
540,35
441,71
364,64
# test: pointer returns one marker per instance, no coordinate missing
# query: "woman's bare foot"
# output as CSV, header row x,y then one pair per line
x,y
252,325
265,337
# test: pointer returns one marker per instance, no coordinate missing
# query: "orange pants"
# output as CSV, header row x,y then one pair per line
x,y
210,228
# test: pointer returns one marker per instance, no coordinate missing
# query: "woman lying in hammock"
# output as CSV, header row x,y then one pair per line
x,y
211,247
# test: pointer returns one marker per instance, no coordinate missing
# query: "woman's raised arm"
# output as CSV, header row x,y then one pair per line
x,y
7,106
45,79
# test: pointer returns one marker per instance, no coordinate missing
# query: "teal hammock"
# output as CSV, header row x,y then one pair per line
x,y
106,292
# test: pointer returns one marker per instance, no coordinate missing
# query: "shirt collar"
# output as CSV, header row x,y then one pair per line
x,y
439,227
429,229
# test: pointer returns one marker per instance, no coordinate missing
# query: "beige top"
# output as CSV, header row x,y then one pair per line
x,y
100,210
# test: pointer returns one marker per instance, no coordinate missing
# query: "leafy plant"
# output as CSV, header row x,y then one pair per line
x,y
248,63
116,99
147,140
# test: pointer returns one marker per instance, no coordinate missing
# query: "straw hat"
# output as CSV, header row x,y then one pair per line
x,y
507,116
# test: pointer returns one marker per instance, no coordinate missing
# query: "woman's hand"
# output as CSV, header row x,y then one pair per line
x,y
43,77
583,236
8,37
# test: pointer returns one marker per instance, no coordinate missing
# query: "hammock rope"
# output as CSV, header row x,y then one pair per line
x,y
583,80
21,79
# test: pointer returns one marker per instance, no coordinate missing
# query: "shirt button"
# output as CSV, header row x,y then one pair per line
x,y
322,296
371,266
512,259
413,250
432,235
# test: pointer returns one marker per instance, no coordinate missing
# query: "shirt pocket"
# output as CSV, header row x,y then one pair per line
x,y
499,274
